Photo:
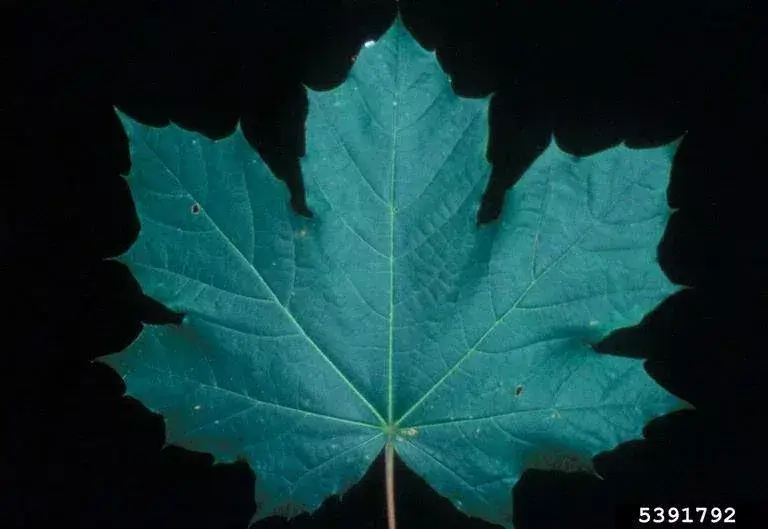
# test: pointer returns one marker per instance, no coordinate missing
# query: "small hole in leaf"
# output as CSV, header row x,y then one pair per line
x,y
195,209
518,391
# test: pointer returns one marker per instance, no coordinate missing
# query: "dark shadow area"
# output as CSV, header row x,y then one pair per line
x,y
591,73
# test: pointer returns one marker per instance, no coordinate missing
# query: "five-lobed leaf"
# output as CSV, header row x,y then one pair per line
x,y
308,343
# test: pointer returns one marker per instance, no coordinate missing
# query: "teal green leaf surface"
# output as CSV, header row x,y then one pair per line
x,y
307,344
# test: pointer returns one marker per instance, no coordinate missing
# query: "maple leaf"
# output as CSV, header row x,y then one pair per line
x,y
390,319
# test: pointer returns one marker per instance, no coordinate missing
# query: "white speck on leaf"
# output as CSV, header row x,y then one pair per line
x,y
369,43
409,432
196,407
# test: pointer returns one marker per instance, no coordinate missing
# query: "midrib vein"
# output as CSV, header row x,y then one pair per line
x,y
492,328
256,402
271,293
392,162
514,307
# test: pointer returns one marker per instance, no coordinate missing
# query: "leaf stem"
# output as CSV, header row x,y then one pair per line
x,y
389,477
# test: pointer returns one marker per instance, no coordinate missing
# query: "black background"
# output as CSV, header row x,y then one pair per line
x,y
593,72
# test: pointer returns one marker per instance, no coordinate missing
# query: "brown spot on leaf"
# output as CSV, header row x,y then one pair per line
x,y
518,391
195,209
558,459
